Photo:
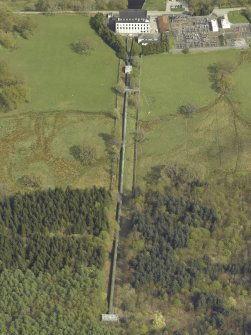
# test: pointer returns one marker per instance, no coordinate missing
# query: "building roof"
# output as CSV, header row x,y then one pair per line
x,y
128,68
146,38
225,24
214,25
110,317
133,15
163,23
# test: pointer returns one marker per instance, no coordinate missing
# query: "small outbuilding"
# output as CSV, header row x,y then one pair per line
x,y
109,317
225,24
128,69
214,25
163,23
144,39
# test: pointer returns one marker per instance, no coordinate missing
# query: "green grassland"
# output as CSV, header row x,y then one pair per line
x,y
215,139
155,5
71,104
60,79
242,90
39,147
168,81
237,17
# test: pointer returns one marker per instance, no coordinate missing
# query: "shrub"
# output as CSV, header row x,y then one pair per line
x,y
85,154
82,47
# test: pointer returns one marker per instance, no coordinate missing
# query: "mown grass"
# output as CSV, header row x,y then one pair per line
x,y
60,79
36,138
237,17
155,5
177,9
212,140
168,81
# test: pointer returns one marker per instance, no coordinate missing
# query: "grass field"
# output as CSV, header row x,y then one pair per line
x,y
237,17
60,79
168,81
242,89
155,5
69,94
39,147
213,140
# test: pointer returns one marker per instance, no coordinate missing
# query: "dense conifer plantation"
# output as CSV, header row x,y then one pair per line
x,y
52,250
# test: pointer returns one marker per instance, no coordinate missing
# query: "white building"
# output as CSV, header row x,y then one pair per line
x,y
109,318
128,69
132,21
214,25
144,39
225,24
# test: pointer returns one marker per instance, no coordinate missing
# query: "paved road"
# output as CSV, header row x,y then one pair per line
x,y
218,11
91,12
222,11
208,49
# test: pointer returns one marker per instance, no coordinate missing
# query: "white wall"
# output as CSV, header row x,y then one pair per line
x,y
132,28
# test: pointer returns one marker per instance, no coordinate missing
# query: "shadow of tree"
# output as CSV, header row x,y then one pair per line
x,y
112,145
108,140
212,70
154,175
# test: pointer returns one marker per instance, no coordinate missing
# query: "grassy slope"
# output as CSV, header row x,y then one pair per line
x,y
207,140
38,144
172,80
242,89
39,147
59,78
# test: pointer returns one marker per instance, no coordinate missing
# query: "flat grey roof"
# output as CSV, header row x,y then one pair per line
x,y
133,14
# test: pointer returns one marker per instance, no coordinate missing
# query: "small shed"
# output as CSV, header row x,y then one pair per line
x,y
144,39
128,69
214,25
109,317
225,24
163,23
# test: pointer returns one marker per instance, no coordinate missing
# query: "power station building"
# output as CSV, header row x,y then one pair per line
x,y
132,21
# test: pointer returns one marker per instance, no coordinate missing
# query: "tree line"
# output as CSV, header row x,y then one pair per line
x,y
117,43
13,90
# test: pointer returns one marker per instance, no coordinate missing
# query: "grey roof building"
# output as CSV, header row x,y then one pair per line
x,y
132,21
144,39
132,15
